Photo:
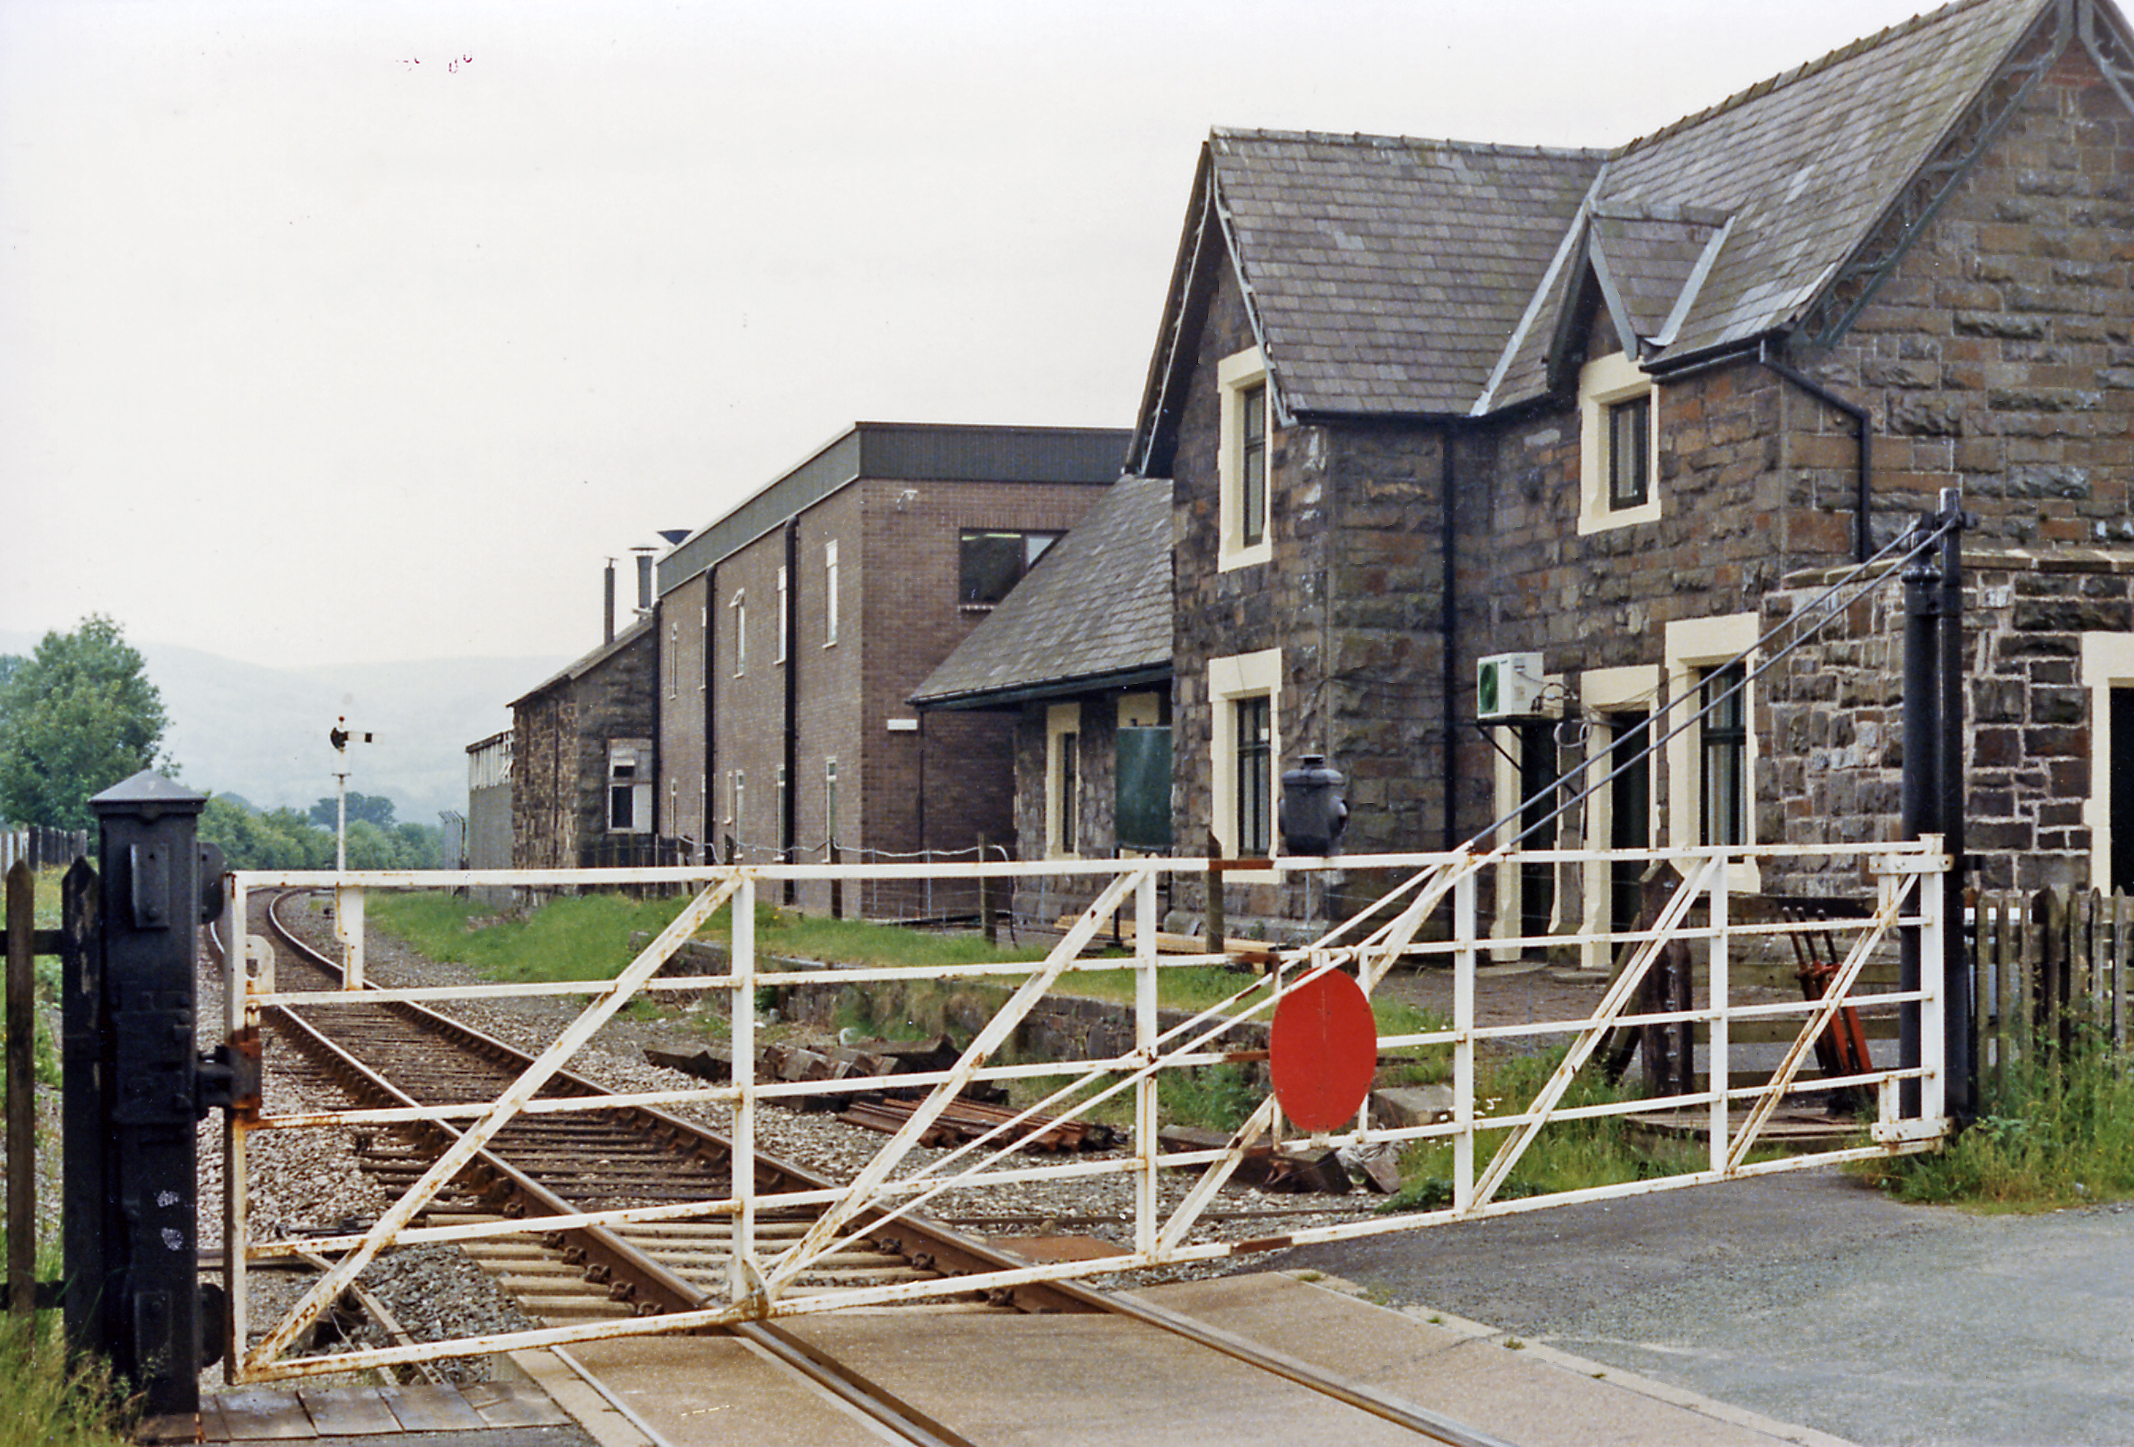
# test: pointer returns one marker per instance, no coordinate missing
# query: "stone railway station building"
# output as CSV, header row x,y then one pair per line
x,y
1606,415
1421,403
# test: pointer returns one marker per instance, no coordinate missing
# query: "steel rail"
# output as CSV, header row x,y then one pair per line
x,y
653,1279
648,1281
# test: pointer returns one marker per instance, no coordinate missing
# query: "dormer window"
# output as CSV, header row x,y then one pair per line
x,y
1243,476
1618,446
1630,453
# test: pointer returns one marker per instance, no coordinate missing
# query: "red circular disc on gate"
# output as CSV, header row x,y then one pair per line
x,y
1323,1052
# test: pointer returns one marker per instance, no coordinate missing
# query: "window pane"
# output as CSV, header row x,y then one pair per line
x,y
1070,792
1252,469
1725,744
1253,764
1629,452
993,563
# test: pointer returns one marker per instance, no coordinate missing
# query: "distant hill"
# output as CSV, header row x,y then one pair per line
x,y
261,732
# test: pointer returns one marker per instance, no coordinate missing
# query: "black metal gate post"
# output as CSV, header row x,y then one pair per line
x,y
1932,801
133,1096
1919,799
1958,1005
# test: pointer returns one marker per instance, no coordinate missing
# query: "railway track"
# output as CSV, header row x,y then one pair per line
x,y
400,1054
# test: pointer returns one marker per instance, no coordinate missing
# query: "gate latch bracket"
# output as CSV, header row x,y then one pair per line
x,y
228,1077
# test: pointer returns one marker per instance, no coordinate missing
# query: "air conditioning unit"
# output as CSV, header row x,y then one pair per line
x,y
1508,685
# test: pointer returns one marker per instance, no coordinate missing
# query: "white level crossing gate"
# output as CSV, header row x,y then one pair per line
x,y
1430,921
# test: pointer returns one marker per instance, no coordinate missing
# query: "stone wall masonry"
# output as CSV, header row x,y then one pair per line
x,y
561,753
1279,604
1831,716
2000,356
1043,900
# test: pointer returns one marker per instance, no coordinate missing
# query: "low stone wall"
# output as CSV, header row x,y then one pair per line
x,y
1830,717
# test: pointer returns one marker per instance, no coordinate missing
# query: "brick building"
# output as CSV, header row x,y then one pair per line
x,y
1423,403
792,631
1079,657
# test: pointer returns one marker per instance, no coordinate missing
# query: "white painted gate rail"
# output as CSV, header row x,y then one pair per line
x,y
1430,920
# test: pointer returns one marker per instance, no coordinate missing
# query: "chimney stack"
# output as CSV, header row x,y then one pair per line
x,y
644,581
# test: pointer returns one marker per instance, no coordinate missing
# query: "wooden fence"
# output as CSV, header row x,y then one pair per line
x,y
2045,966
41,848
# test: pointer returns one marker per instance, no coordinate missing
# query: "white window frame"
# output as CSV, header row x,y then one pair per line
x,y
1235,375
1603,691
1602,384
1231,679
1509,794
637,755
739,608
672,660
1695,645
829,573
785,615
1063,721
829,800
2107,663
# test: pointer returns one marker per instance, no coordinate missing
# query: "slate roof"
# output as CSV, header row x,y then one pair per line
x,y
1803,168
1387,272
1387,276
578,668
1096,611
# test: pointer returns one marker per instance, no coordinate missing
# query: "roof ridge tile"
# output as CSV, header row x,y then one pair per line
x,y
1389,142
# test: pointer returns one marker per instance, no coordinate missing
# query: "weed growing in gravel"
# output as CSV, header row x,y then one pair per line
x,y
2057,1133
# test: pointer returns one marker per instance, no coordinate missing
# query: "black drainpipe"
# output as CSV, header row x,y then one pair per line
x,y
787,828
1863,542
1448,623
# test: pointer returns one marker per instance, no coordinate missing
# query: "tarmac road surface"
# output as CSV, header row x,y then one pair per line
x,y
1807,1297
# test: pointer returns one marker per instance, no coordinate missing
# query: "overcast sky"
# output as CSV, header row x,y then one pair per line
x,y
337,332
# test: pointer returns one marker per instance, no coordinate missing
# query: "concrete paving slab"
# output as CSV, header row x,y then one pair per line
x,y
716,1389
1481,1377
1090,1381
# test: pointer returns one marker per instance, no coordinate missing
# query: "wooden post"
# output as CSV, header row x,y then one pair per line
x,y
2053,998
2081,912
837,887
1981,991
985,899
2122,917
1217,945
21,1094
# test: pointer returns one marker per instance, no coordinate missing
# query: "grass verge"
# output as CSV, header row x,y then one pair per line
x,y
45,1401
1567,1155
2057,1133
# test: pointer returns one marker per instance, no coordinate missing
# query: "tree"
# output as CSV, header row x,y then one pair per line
x,y
76,717
369,808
